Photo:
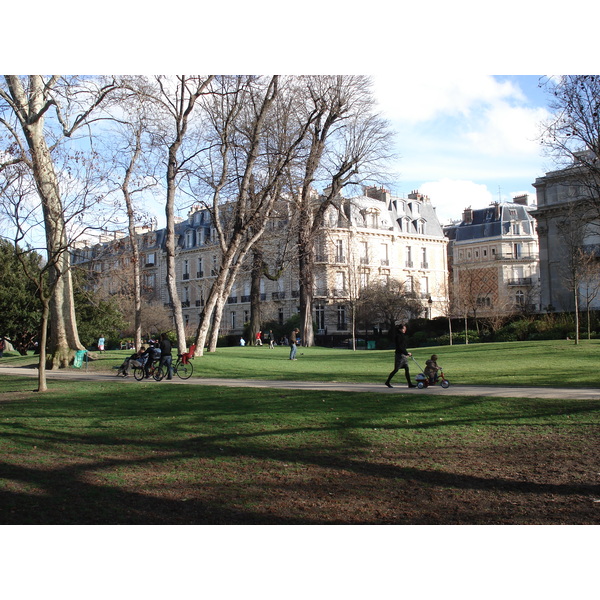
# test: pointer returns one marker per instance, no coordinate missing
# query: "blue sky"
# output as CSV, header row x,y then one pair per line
x,y
465,139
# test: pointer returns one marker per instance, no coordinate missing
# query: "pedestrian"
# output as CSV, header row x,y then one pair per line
x,y
400,356
294,343
1,347
258,339
271,338
101,344
166,358
242,341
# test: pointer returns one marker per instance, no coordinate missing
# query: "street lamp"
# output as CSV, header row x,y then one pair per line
x,y
430,302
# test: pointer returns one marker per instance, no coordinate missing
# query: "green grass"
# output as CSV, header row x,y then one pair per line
x,y
84,453
558,363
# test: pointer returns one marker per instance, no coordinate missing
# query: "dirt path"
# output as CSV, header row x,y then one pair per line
x,y
379,388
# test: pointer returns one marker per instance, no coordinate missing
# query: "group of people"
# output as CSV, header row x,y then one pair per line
x,y
160,351
292,341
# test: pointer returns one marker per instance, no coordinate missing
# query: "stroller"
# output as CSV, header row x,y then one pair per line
x,y
423,381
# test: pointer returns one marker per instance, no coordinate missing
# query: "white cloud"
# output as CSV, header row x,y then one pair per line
x,y
422,98
450,197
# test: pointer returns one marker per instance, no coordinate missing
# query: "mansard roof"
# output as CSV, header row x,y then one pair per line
x,y
493,221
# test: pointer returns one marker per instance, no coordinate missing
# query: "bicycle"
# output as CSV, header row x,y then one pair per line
x,y
155,371
183,368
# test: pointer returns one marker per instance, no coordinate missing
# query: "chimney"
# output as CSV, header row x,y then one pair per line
x,y
467,216
523,199
377,193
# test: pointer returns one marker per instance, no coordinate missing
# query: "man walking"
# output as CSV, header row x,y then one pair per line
x,y
166,358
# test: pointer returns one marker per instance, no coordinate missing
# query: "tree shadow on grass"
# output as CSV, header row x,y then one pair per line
x,y
65,494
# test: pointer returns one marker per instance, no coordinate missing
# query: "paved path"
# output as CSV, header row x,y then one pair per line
x,y
456,390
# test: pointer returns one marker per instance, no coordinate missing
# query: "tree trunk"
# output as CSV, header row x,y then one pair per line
x,y
42,384
306,280
255,304
64,339
170,250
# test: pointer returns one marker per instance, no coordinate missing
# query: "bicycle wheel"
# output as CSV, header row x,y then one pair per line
x,y
184,371
138,373
159,372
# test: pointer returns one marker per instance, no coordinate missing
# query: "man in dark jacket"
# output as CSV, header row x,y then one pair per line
x,y
400,357
166,358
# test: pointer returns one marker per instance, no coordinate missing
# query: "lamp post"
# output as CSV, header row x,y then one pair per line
x,y
429,302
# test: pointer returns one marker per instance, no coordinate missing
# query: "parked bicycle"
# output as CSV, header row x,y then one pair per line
x,y
183,368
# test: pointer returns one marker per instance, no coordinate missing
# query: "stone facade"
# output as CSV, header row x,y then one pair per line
x,y
374,237
495,260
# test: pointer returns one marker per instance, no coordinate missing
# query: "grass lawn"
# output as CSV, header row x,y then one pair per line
x,y
556,363
145,453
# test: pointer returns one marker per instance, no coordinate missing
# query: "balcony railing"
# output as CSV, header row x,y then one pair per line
x,y
385,262
408,264
278,295
199,274
246,298
185,304
186,275
199,303
520,281
232,300
513,256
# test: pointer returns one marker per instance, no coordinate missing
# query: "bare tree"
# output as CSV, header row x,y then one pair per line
x,y
73,104
176,125
346,139
257,134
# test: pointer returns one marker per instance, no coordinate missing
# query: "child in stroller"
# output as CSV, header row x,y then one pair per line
x,y
431,369
432,374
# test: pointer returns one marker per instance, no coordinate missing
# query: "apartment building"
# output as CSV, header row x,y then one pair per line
x,y
495,260
567,216
374,237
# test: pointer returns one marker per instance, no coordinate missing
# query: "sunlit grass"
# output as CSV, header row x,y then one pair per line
x,y
558,363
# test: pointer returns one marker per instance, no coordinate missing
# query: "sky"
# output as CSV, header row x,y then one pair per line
x,y
465,139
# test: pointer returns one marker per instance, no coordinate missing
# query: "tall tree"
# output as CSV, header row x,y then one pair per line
x,y
177,103
256,136
348,142
73,102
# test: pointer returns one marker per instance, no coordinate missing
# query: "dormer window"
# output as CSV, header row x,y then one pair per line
x,y
189,239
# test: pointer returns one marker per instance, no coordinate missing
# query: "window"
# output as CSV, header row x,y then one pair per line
x,y
320,316
189,239
186,269
340,283
339,251
409,262
341,317
384,255
232,320
424,264
200,272
364,253
516,229
410,284
517,249
520,298
150,259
